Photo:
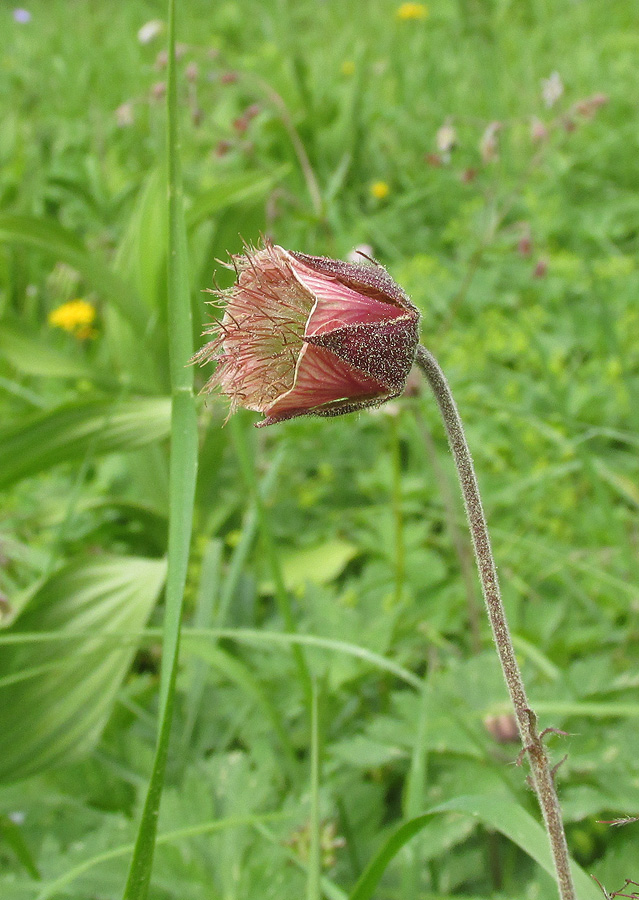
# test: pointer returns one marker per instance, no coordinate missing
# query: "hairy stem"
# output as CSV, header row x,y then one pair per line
x,y
542,774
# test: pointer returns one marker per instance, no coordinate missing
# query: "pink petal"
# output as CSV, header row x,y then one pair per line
x,y
338,305
323,378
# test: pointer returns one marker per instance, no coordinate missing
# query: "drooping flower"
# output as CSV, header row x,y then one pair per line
x,y
306,335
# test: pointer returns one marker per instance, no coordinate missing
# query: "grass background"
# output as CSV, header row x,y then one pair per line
x,y
525,270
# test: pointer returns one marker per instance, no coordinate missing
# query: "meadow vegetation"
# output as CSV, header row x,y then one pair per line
x,y
485,152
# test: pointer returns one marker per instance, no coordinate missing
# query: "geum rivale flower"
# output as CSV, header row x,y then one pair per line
x,y
306,335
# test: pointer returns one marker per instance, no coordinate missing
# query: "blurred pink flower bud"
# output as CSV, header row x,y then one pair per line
x,y
158,90
240,124
222,148
538,130
489,143
306,335
433,159
590,105
228,77
192,72
541,269
524,245
125,115
253,110
502,728
468,175
161,60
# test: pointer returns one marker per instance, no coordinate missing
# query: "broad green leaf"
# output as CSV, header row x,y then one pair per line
x,y
319,565
141,255
497,812
71,432
55,697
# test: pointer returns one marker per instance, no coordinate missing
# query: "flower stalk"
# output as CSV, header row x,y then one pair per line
x,y
305,335
541,772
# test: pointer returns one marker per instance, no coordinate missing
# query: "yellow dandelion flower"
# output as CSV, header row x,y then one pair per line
x,y
380,190
348,67
412,11
76,316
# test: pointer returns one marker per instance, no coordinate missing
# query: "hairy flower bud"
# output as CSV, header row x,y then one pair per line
x,y
306,335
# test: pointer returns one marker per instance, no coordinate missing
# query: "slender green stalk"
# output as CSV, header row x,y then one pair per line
x,y
542,774
182,478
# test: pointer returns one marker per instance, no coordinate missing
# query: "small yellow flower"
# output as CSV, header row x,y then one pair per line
x,y
380,190
76,317
348,67
412,11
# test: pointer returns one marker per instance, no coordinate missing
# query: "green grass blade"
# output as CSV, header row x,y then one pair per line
x,y
182,477
11,835
141,256
249,636
499,813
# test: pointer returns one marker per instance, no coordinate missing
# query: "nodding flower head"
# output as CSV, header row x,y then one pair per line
x,y
306,335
